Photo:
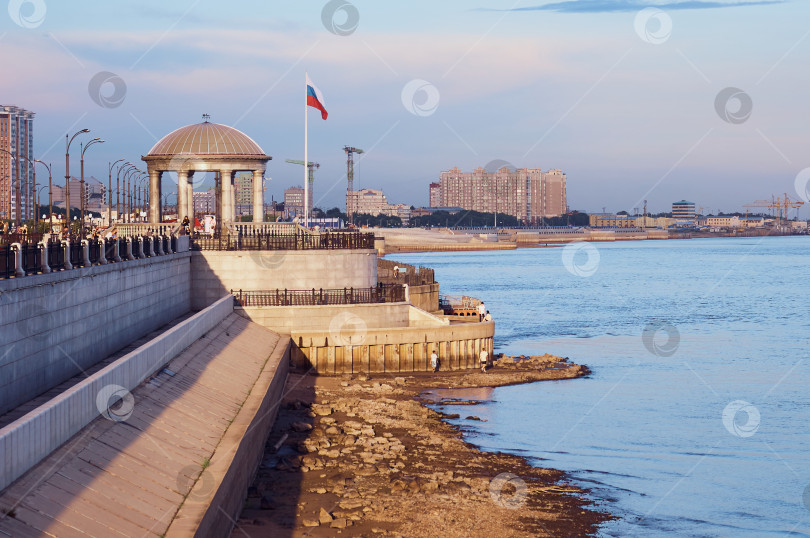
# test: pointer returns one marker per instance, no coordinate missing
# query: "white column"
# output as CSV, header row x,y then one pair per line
x,y
227,195
45,267
258,196
182,194
190,199
155,213
102,255
66,246
18,259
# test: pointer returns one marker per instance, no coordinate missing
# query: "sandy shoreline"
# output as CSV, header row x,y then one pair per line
x,y
363,456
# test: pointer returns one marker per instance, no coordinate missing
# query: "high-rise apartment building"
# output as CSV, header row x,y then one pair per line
x,y
243,190
526,193
435,195
294,201
16,163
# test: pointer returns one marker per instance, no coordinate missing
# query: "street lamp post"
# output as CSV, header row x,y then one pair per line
x,y
67,173
36,205
128,191
81,181
124,167
50,193
109,190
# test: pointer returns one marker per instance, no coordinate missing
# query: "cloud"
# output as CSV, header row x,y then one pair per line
x,y
606,6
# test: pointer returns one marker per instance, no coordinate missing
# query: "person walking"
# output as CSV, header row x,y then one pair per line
x,y
481,311
434,361
483,358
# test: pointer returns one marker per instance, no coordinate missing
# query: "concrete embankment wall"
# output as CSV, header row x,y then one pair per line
x,y
237,457
425,296
53,326
215,273
334,319
393,350
25,442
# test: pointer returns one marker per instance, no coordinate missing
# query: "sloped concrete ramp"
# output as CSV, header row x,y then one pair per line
x,y
130,475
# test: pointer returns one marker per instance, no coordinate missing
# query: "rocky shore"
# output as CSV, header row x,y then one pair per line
x,y
363,456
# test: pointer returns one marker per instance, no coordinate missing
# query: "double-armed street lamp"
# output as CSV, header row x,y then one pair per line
x,y
140,181
81,181
110,166
130,191
122,168
68,141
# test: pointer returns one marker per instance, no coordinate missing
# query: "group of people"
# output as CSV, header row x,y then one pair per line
x,y
483,357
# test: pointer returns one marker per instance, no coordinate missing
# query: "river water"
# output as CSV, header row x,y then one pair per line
x,y
696,419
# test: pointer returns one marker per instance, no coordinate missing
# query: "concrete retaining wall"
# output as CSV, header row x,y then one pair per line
x,y
53,326
237,457
334,318
425,297
215,273
28,440
393,350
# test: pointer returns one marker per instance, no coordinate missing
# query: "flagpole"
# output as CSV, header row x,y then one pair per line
x,y
306,157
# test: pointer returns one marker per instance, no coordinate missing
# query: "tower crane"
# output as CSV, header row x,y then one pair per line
x,y
311,167
351,198
781,204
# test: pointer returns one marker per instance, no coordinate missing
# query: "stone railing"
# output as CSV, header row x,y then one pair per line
x,y
22,259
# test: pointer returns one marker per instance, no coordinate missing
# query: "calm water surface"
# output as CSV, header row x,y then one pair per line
x,y
646,431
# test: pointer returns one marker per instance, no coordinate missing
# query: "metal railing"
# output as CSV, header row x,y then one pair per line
x,y
379,294
405,274
22,238
274,240
6,262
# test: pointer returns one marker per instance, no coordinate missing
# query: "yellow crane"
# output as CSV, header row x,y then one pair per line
x,y
780,204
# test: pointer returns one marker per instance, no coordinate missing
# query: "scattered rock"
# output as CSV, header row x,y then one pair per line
x,y
310,523
325,517
339,523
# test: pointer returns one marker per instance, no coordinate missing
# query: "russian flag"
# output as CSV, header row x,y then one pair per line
x,y
315,98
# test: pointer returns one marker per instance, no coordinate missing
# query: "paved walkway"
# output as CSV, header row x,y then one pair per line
x,y
129,478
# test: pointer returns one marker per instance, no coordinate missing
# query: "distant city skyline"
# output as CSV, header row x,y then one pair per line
x,y
700,100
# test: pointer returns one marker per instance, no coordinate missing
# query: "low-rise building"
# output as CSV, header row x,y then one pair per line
x,y
683,210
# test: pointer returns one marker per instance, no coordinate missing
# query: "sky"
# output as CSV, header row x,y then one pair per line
x,y
660,100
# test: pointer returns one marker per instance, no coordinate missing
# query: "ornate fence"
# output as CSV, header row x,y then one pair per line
x,y
381,293
283,240
405,274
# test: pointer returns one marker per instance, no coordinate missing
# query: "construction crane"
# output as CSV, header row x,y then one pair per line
x,y
782,205
350,196
311,167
